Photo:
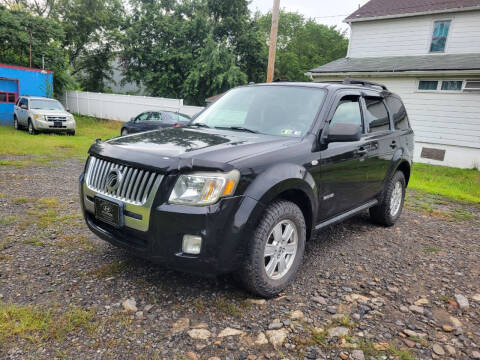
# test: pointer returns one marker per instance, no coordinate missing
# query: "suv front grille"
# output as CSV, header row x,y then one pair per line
x,y
56,118
134,186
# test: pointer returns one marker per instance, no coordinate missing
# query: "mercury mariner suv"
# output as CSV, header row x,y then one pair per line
x,y
243,186
42,114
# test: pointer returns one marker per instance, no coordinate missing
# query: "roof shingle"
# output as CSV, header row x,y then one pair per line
x,y
402,63
381,8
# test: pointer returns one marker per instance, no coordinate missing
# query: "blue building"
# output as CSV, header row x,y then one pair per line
x,y
16,81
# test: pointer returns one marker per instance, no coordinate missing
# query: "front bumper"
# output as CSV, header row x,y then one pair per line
x,y
225,229
44,125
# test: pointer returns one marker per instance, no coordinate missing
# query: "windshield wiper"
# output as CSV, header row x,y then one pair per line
x,y
199,125
239,128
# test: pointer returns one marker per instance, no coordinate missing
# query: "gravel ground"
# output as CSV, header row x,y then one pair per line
x,y
410,291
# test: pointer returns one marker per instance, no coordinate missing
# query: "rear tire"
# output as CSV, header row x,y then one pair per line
x,y
31,128
389,209
275,251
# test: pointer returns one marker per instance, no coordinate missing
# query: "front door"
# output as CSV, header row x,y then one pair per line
x,y
340,174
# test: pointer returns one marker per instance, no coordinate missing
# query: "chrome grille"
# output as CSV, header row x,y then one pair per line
x,y
56,118
135,186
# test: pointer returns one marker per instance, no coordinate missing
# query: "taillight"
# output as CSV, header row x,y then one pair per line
x,y
177,125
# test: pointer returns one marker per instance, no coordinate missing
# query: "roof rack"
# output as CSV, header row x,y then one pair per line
x,y
349,81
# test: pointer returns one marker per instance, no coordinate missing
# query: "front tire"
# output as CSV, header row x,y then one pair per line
x,y
124,132
31,128
16,125
71,133
275,251
389,209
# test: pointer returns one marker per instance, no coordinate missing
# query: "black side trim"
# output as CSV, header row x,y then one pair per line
x,y
346,215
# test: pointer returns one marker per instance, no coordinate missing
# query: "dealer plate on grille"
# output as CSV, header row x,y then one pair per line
x,y
109,211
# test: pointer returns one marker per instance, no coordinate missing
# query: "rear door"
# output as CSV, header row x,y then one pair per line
x,y
154,121
379,142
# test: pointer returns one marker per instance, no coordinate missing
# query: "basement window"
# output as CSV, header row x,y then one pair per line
x,y
439,36
427,85
452,85
440,85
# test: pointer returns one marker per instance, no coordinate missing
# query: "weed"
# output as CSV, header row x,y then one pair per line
x,y
7,220
344,321
431,250
230,308
109,270
20,200
34,241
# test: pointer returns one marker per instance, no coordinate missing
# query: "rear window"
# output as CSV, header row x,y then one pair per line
x,y
377,115
399,113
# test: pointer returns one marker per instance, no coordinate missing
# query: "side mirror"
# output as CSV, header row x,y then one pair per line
x,y
344,132
132,119
68,110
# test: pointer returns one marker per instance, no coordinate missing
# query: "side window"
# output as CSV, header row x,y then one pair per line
x,y
399,113
142,117
377,115
348,111
155,116
25,102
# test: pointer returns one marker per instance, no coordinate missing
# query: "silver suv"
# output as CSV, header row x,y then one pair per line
x,y
42,114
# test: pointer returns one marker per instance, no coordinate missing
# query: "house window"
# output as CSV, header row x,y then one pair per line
x,y
427,85
6,97
440,34
452,85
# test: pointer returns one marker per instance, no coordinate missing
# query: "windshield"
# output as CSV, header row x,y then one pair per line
x,y
45,104
272,110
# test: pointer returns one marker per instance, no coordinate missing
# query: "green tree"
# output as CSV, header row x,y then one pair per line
x,y
303,44
16,27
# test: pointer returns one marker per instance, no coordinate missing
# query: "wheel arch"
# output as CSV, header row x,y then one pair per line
x,y
405,167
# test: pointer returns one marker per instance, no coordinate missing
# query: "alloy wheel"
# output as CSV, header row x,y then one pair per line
x,y
396,199
280,249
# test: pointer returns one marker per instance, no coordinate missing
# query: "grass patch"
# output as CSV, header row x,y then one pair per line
x,y
109,270
20,200
38,324
7,220
34,241
44,148
431,250
370,351
452,183
344,321
231,308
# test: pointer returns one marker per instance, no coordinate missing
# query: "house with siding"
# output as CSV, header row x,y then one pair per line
x,y
428,52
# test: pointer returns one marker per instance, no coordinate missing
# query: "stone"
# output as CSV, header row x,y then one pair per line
x,y
139,315
455,322
476,354
417,309
381,346
320,300
437,349
261,339
403,309
447,328
476,297
180,325
214,358
275,325
296,315
147,308
332,309
356,297
462,302
130,305
392,289
277,337
257,301
450,349
357,355
337,331
412,333
343,355
229,332
409,343
421,301
192,356
199,334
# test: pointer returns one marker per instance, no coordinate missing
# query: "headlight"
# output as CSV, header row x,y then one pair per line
x,y
203,188
39,117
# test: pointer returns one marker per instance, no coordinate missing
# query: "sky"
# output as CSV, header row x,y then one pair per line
x,y
328,12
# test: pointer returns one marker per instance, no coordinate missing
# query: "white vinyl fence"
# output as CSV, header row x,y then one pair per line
x,y
121,107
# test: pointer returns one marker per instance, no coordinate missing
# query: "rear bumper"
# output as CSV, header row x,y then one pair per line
x,y
225,229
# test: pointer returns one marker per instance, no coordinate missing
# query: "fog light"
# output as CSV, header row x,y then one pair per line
x,y
191,244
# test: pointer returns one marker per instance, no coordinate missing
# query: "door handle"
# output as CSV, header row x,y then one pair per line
x,y
393,145
361,151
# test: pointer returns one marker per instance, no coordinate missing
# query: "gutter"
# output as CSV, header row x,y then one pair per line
x,y
409,73
431,12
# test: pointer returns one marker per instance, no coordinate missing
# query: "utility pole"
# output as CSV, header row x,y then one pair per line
x,y
30,48
273,41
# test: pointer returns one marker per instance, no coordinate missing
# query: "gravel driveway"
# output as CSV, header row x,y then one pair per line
x,y
411,291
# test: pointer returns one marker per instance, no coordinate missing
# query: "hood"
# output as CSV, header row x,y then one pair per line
x,y
176,148
50,112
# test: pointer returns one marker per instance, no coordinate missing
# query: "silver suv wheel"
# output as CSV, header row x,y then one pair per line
x,y
396,198
280,249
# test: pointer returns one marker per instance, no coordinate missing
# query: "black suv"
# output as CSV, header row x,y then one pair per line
x,y
242,187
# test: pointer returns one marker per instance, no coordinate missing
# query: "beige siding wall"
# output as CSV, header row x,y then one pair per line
x,y
412,36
